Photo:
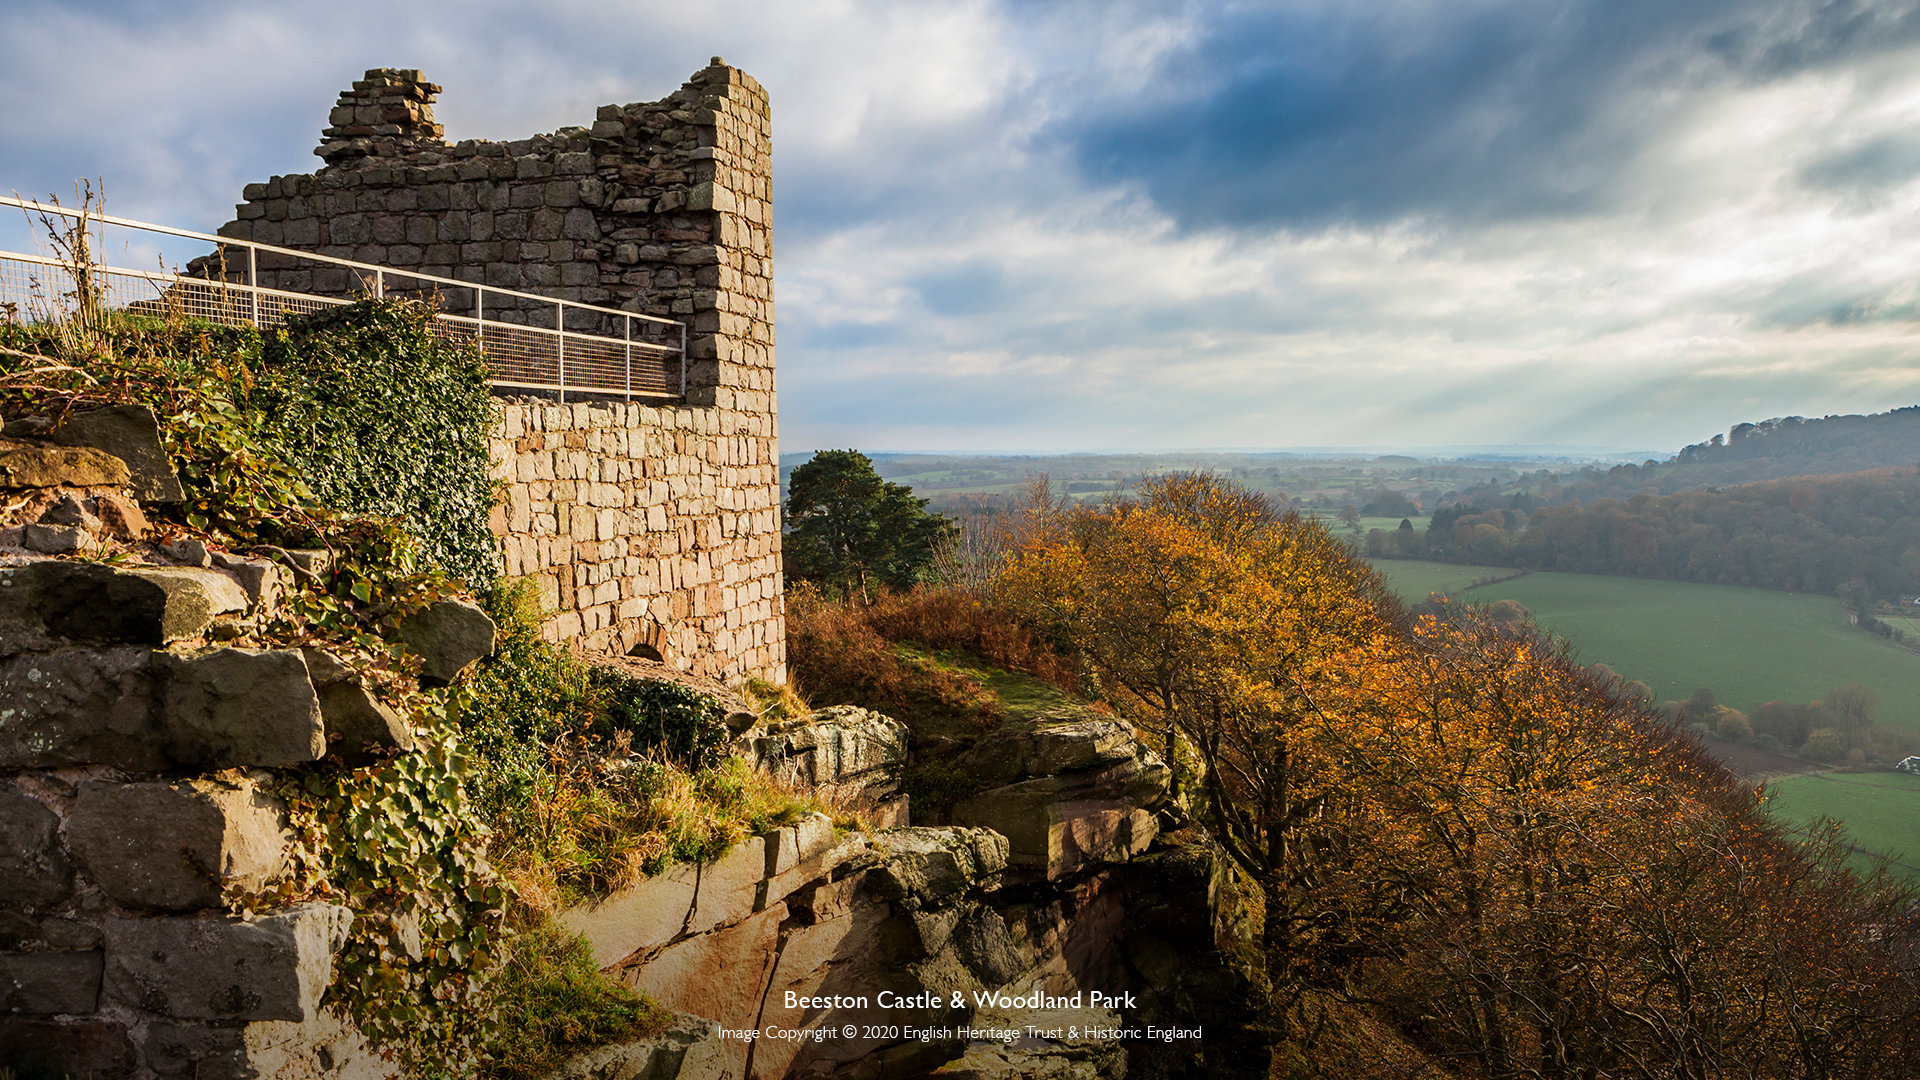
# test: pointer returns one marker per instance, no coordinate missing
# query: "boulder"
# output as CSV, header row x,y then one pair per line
x,y
50,983
360,727
223,708
272,968
195,596
80,707
56,539
130,433
841,752
448,635
929,867
1048,824
1076,741
70,511
33,871
261,578
120,516
174,846
24,466
51,601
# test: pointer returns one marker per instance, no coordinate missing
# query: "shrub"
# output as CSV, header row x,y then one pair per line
x,y
840,658
670,721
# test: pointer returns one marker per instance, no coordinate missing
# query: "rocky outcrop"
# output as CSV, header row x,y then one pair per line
x,y
130,434
861,955
691,1048
447,636
1070,790
847,754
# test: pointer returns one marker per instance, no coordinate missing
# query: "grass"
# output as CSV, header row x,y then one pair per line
x,y
1413,579
555,1003
1750,646
1881,812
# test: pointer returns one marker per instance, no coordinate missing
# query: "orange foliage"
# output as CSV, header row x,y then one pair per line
x,y
1454,822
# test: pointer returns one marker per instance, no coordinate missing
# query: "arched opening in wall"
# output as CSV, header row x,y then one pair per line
x,y
644,639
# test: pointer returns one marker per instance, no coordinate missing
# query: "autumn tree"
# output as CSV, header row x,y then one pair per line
x,y
1452,822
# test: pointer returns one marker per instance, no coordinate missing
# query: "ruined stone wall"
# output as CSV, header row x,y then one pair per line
x,y
649,529
652,527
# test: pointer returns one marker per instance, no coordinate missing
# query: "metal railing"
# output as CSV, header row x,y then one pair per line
x,y
585,349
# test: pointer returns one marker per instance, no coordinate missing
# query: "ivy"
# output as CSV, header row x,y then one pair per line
x,y
674,722
399,843
383,418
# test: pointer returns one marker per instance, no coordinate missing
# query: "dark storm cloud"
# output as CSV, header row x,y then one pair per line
x,y
1301,117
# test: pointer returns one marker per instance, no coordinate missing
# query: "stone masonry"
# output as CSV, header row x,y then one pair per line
x,y
651,529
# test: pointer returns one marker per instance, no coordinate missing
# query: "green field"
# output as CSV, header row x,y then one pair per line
x,y
1749,645
1413,579
1881,810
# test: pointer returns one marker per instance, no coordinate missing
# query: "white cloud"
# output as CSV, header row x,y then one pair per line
x,y
949,277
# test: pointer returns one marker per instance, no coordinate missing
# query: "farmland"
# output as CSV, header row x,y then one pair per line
x,y
1750,645
1881,811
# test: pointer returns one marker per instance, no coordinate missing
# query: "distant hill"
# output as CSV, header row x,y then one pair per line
x,y
1797,446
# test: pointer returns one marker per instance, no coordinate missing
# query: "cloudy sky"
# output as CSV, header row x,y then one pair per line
x,y
1203,224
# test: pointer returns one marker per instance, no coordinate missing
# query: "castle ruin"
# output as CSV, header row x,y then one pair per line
x,y
651,527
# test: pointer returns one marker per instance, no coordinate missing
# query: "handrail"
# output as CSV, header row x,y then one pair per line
x,y
516,363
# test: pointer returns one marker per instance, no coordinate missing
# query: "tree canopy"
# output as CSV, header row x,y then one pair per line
x,y
1449,819
848,530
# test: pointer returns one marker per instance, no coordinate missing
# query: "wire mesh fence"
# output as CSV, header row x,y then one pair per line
x,y
532,343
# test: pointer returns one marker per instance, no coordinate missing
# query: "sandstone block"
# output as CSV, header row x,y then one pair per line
x,y
24,466
261,578
56,539
130,433
94,1049
53,600
80,707
273,968
645,916
719,975
50,983
360,727
1074,742
223,708
448,635
33,871
173,846
325,1046
69,935
845,750
1048,827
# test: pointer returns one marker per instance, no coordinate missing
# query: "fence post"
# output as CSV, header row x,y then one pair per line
x,y
253,282
626,324
479,317
379,284
560,345
683,361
